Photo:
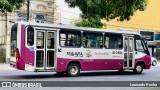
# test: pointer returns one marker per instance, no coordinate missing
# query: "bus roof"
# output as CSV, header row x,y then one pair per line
x,y
58,26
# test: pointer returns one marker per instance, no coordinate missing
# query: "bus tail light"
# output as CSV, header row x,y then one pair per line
x,y
17,55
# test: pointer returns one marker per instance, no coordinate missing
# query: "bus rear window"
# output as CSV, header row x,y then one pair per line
x,y
13,44
30,36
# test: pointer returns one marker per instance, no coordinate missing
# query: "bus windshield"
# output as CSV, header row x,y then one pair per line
x,y
141,45
13,39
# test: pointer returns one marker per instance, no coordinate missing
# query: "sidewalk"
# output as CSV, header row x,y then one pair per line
x,y
4,66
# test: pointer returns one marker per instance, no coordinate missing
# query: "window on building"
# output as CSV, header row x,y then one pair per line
x,y
21,16
113,41
30,36
40,18
92,40
70,38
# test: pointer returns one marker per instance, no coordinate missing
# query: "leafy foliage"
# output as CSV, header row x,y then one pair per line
x,y
90,22
10,5
109,9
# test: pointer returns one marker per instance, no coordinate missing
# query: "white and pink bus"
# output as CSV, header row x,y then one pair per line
x,y
68,49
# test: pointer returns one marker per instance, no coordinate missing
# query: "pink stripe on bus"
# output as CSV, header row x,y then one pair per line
x,y
87,64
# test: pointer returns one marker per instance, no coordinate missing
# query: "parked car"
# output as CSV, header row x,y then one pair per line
x,y
153,61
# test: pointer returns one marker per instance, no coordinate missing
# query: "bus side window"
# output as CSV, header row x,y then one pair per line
x,y
92,40
139,46
62,39
107,42
30,36
70,38
113,41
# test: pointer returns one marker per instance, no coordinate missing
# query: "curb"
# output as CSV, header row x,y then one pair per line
x,y
4,66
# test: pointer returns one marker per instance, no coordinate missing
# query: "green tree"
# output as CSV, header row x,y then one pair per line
x,y
10,5
90,22
109,9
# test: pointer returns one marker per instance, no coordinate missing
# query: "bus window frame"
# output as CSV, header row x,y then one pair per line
x,y
93,32
138,38
72,30
110,34
145,48
27,35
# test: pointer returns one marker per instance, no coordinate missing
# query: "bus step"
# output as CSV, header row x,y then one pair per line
x,y
44,70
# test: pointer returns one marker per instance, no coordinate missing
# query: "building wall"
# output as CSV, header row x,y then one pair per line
x,y
46,8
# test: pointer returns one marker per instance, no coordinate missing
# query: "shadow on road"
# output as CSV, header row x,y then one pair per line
x,y
82,74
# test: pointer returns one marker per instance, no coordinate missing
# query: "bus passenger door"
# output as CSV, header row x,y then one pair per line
x,y
129,50
40,49
50,49
45,49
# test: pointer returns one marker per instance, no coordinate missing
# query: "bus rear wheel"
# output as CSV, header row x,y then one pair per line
x,y
138,69
73,70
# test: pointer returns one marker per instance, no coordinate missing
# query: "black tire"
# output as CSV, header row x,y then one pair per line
x,y
138,69
73,70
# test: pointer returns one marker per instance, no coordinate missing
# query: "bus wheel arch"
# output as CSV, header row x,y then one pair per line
x,y
73,68
139,67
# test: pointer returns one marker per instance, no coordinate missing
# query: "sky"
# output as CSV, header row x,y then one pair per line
x,y
67,13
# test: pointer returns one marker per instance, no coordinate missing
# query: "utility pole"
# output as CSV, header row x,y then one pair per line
x,y
28,4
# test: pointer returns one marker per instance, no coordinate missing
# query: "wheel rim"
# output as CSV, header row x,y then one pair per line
x,y
74,70
139,69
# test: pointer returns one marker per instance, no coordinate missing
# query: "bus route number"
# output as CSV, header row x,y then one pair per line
x,y
75,54
117,52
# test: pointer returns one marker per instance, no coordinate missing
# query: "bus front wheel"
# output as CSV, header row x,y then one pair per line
x,y
73,70
138,69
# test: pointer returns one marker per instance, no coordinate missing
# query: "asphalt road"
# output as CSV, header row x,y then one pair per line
x,y
153,74
10,74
